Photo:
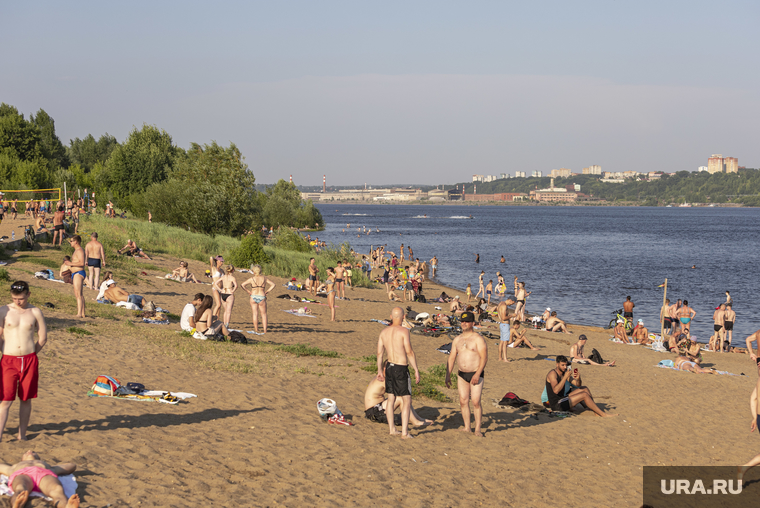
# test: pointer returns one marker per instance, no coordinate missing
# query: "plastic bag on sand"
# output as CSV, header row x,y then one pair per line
x,y
328,410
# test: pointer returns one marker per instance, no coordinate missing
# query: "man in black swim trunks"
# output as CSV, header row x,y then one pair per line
x,y
628,306
313,281
470,352
555,384
395,340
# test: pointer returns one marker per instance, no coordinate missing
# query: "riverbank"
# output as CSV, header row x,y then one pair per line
x,y
253,436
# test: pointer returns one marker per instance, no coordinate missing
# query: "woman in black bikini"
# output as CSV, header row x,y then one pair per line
x,y
330,282
226,285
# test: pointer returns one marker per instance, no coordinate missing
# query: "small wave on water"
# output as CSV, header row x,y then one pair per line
x,y
461,217
420,217
357,214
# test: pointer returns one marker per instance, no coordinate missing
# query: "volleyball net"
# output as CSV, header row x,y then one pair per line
x,y
27,195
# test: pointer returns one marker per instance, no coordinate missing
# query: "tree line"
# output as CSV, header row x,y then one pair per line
x,y
205,188
681,187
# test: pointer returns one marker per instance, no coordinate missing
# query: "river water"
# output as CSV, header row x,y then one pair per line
x,y
580,261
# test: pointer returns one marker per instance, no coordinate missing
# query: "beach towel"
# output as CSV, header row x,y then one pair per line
x,y
445,349
68,482
128,306
296,313
668,364
155,321
383,322
107,386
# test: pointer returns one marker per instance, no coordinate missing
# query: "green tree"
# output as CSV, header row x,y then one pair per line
x,y
250,251
145,158
18,137
87,152
52,148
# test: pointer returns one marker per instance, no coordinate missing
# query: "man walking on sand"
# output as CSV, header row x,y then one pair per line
x,y
395,340
18,323
96,259
470,352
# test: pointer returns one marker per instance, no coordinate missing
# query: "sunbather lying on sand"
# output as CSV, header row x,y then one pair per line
x,y
34,474
683,363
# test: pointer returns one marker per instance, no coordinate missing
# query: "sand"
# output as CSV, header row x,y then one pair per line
x,y
255,438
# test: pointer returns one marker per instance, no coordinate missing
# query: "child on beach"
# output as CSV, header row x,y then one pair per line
x,y
469,292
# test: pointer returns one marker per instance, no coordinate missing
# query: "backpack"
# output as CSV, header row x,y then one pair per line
x,y
420,298
512,400
596,357
107,386
238,338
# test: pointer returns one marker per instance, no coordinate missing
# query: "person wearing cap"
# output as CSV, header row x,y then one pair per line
x,y
619,331
640,333
470,353
578,356
555,384
546,315
555,324
19,322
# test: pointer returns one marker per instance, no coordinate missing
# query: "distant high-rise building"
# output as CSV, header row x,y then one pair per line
x,y
731,164
702,169
715,163
477,178
519,174
560,173
592,170
503,175
537,174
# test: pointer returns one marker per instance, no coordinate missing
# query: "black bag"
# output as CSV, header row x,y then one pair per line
x,y
238,338
512,400
596,357
421,298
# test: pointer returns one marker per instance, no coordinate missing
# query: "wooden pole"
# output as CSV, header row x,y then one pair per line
x,y
664,297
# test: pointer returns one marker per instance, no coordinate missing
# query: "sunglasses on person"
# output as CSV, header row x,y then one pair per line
x,y
19,287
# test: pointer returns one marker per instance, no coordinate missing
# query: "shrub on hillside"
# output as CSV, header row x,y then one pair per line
x,y
287,239
250,251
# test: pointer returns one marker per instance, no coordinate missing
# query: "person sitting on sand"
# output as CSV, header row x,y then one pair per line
x,y
685,363
116,294
187,319
204,319
34,474
578,356
619,331
131,249
40,224
640,333
107,281
546,315
456,306
375,403
754,425
555,324
65,271
182,274
555,384
517,336
392,296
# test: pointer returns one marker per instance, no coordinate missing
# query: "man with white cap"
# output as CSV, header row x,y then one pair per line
x,y
547,313
640,333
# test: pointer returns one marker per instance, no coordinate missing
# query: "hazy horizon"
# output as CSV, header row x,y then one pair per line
x,y
427,92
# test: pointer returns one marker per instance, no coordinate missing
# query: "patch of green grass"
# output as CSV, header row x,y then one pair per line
x,y
370,359
175,317
78,331
46,262
369,368
130,324
4,276
430,380
185,333
304,350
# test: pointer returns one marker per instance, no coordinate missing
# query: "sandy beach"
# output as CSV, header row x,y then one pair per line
x,y
253,436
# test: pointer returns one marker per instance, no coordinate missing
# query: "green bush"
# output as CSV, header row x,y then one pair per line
x,y
4,276
287,239
250,251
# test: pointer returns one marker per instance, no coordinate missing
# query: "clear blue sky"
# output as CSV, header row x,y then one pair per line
x,y
402,92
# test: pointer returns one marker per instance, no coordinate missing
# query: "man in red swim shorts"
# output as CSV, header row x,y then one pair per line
x,y
33,474
18,365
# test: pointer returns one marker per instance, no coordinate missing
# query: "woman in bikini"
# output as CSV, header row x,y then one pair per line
x,y
226,286
260,286
683,363
182,274
205,323
330,282
216,274
521,295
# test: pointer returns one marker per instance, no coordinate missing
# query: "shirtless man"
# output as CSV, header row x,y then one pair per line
x,y
555,383
18,323
504,331
546,315
434,267
40,224
665,316
755,337
521,295
489,290
729,318
578,356
517,336
96,259
754,425
456,307
640,333
133,249
470,352
375,404
313,281
75,219
716,339
14,209
395,340
628,306
77,272
502,260
340,281
685,315
481,288
673,311
58,225
555,324
32,473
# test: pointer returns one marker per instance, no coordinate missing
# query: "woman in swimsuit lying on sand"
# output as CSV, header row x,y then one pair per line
x,y
683,363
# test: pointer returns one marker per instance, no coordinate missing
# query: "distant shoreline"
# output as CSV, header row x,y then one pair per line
x,y
516,203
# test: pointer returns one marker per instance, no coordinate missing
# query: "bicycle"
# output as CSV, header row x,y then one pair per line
x,y
627,323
